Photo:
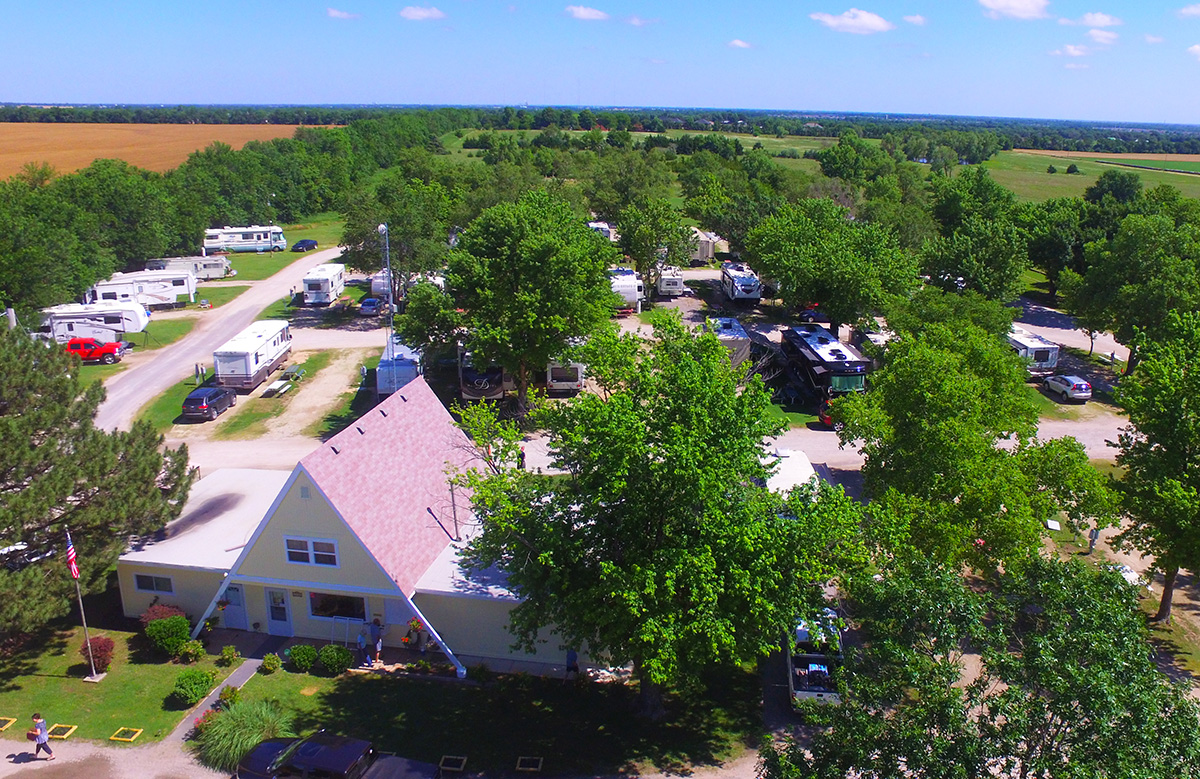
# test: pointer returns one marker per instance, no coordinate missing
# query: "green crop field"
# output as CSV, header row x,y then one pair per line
x,y
1026,175
1167,165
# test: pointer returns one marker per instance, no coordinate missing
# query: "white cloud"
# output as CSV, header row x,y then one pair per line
x,y
336,14
1077,66
638,21
1017,9
916,19
1071,50
1154,39
1191,10
415,13
737,43
1103,37
1194,51
854,21
1094,19
582,12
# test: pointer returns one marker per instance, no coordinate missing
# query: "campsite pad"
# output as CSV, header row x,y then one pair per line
x,y
126,734
531,765
61,731
453,763
5,722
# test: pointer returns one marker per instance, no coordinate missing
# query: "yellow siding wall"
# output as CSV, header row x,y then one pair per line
x,y
305,626
311,518
479,627
194,589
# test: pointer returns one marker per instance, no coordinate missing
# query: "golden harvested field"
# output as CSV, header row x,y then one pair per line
x,y
1103,156
159,147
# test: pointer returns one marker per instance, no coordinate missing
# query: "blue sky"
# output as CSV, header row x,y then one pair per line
x,y
1059,59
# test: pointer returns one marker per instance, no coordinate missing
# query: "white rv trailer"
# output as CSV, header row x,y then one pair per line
x,y
605,229
246,359
628,285
151,288
1040,355
398,366
203,268
255,238
670,282
105,322
324,284
704,246
732,335
381,285
740,282
567,377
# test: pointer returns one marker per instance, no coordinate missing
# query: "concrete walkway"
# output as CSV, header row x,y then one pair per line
x,y
239,677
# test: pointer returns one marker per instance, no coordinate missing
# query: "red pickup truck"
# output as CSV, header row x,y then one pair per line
x,y
91,350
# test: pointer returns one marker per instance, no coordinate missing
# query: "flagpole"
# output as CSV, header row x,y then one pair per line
x,y
87,639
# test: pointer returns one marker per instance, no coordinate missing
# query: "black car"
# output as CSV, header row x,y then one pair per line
x,y
304,245
320,754
208,402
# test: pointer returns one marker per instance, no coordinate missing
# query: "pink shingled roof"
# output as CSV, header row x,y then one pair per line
x,y
386,476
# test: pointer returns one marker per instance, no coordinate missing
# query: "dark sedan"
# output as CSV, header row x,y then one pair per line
x,y
304,245
321,754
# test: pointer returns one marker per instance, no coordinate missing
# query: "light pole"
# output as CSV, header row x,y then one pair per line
x,y
390,350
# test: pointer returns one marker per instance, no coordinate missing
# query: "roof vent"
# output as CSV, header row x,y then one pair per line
x,y
822,340
838,355
384,413
404,398
359,429
334,448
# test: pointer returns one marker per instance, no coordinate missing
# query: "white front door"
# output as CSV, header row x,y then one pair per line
x,y
279,616
234,615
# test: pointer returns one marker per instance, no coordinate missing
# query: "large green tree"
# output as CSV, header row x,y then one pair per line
x,y
58,472
816,254
658,548
653,233
531,278
1160,448
987,256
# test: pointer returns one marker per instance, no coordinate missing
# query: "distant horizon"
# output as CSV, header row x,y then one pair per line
x,y
799,113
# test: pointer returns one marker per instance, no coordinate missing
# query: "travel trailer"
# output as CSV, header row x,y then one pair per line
x,y
814,659
324,284
670,282
1040,355
605,229
105,322
381,285
740,282
203,268
399,365
733,335
255,238
628,285
151,288
251,355
704,247
565,377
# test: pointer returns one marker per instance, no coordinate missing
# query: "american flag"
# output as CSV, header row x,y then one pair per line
x,y
71,557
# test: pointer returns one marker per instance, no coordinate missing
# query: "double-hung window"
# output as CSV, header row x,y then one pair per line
x,y
311,551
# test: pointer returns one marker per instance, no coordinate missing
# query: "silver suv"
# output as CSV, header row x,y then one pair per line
x,y
1069,388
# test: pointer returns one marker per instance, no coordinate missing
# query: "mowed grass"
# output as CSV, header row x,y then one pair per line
x,y
217,296
1025,174
165,411
253,413
582,729
325,229
47,677
157,147
1168,164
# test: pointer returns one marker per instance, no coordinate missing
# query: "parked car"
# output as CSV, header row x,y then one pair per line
x,y
370,307
91,350
1069,388
304,245
327,756
208,402
812,314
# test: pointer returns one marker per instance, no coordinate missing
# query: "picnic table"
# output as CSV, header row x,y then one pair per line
x,y
277,387
293,373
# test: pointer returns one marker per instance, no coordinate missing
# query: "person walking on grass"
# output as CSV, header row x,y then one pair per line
x,y
41,737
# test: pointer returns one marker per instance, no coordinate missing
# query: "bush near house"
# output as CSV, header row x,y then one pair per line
x,y
190,651
101,652
229,696
270,664
193,685
303,656
169,634
160,611
229,656
335,659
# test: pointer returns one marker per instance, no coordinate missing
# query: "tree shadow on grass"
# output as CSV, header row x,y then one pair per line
x,y
20,655
583,728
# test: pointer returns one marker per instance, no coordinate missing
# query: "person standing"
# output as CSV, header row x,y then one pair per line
x,y
364,655
572,665
377,637
41,738
521,458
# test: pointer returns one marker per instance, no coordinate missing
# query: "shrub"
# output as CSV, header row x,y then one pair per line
x,y
335,659
190,651
423,666
102,652
270,664
160,611
303,656
204,720
228,738
168,634
1072,168
481,673
193,685
228,696
229,656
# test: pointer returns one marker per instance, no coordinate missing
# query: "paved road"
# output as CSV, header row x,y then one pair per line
x,y
153,373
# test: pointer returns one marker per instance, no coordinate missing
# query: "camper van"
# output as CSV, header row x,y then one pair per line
x,y
203,268
398,366
628,285
1040,355
151,288
251,355
255,238
670,282
104,322
733,335
324,284
740,282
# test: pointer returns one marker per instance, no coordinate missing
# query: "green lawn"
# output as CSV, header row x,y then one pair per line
x,y
158,333
325,229
587,728
217,296
1189,165
164,411
1026,175
47,677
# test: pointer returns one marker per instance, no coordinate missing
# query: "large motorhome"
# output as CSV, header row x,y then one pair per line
x,y
398,366
829,366
740,282
106,322
477,380
733,335
255,238
251,355
203,268
814,658
628,285
324,284
151,288
1040,355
